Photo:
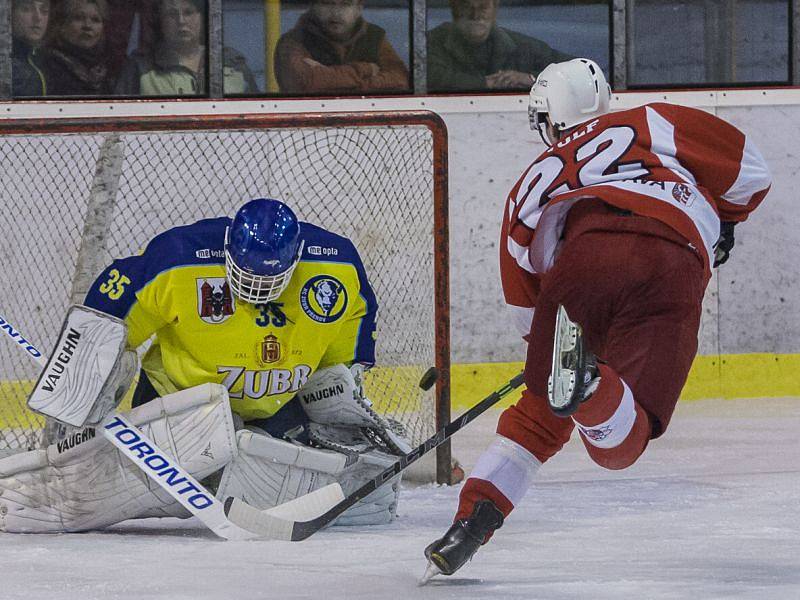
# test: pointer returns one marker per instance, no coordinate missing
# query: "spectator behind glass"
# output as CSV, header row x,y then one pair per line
x,y
472,53
176,65
333,49
73,59
120,26
28,25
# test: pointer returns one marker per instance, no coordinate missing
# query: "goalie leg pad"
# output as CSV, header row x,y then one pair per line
x,y
267,472
84,483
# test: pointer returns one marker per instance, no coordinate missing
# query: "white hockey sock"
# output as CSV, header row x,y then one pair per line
x,y
508,466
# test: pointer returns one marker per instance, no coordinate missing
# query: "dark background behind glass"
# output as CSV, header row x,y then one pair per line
x,y
707,42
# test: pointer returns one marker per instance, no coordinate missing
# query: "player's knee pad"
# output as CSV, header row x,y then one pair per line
x,y
84,483
268,472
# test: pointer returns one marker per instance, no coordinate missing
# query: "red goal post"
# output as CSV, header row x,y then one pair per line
x,y
80,191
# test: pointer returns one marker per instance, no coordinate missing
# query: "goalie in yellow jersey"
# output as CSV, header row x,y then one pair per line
x,y
280,315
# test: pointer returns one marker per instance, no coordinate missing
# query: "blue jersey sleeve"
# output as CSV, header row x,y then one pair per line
x,y
114,291
365,344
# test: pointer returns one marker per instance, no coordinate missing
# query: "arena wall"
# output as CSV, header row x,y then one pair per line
x,y
748,339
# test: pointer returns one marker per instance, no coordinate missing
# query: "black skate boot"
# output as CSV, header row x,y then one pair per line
x,y
449,553
574,376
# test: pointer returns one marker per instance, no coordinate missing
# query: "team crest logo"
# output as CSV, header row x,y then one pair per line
x,y
323,298
215,302
270,349
683,194
597,434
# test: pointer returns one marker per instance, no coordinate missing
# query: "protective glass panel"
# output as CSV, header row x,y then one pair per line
x,y
97,48
488,45
319,48
709,42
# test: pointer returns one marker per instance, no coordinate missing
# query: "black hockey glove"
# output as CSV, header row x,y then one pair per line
x,y
722,250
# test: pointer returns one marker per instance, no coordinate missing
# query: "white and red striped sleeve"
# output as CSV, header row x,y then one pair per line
x,y
520,281
722,159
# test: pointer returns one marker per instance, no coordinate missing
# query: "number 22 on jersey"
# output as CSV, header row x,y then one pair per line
x,y
596,161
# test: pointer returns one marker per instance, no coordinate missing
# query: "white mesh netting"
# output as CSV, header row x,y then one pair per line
x,y
373,184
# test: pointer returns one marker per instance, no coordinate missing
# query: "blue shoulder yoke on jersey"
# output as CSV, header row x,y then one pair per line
x,y
114,291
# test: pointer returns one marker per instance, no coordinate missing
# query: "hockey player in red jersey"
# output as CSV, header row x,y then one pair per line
x,y
607,246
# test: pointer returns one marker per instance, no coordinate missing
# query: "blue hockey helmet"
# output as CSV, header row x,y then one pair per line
x,y
262,249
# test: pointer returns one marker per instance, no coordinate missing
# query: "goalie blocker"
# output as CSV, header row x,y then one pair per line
x,y
88,372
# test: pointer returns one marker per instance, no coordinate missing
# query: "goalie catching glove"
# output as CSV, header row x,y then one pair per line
x,y
335,396
351,444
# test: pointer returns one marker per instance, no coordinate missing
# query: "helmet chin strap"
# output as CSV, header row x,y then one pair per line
x,y
544,137
539,121
542,128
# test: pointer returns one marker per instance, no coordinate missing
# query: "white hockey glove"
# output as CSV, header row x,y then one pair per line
x,y
268,472
88,372
335,396
84,483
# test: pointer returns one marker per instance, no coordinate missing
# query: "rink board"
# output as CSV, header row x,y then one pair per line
x,y
726,376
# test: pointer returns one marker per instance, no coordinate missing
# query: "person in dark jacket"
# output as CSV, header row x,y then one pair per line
x,y
28,26
74,59
472,53
332,49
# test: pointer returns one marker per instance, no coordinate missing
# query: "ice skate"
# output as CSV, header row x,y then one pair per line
x,y
574,375
450,552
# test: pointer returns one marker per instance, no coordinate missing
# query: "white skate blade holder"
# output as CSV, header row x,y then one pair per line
x,y
561,383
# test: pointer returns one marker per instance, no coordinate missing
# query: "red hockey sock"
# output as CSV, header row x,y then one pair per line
x,y
475,490
613,427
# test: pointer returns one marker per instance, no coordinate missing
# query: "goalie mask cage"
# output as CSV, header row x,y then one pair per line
x,y
77,193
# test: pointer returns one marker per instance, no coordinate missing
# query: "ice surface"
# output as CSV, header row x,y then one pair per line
x,y
711,511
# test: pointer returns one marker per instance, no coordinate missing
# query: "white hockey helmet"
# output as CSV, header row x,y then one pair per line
x,y
568,93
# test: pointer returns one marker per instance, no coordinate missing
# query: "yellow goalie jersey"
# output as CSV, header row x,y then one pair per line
x,y
176,290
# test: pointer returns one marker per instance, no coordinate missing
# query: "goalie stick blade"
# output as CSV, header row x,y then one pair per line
x,y
279,522
309,506
263,525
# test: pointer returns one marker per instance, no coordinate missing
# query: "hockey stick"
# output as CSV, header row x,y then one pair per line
x,y
183,487
251,518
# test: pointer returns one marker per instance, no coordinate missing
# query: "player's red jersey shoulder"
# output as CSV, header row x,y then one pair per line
x,y
680,165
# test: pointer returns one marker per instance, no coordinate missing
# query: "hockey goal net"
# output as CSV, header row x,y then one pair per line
x,y
78,193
